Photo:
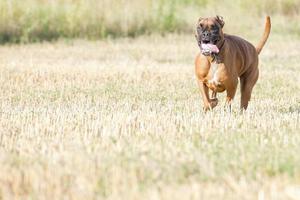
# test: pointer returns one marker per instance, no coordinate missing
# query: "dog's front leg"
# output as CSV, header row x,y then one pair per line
x,y
205,96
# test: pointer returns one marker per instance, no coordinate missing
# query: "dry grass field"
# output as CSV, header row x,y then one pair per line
x,y
123,119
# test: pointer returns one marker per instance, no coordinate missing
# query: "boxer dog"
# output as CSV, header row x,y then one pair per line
x,y
223,60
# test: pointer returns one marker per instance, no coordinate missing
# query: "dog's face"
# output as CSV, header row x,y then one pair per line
x,y
209,30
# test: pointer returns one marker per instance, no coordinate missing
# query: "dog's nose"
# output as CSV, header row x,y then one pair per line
x,y
205,34
205,37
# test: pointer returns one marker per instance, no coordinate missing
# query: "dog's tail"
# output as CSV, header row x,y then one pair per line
x,y
265,35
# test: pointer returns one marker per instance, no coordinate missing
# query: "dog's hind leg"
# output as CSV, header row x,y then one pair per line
x,y
248,81
230,93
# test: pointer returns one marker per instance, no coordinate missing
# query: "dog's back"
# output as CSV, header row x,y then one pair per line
x,y
243,51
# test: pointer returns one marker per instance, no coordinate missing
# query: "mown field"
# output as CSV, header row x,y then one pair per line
x,y
123,119
99,101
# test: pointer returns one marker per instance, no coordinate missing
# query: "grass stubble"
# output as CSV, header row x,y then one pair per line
x,y
122,119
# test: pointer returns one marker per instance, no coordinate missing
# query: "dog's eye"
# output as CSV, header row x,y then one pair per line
x,y
215,30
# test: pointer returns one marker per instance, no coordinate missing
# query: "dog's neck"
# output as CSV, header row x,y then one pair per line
x,y
217,57
221,45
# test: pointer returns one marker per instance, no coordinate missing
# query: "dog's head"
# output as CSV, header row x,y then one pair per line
x,y
209,32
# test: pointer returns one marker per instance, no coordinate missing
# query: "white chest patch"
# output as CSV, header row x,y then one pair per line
x,y
215,79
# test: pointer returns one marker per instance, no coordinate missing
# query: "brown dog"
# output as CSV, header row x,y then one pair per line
x,y
223,59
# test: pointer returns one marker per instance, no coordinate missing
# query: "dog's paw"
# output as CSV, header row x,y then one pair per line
x,y
209,106
213,102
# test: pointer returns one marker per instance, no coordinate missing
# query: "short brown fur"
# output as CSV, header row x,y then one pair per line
x,y
238,60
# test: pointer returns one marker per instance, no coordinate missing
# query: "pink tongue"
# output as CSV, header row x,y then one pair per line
x,y
210,47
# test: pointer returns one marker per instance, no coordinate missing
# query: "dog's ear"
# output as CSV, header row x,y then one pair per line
x,y
198,26
220,20
196,33
199,20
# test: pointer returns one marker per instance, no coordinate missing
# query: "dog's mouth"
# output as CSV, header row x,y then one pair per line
x,y
206,53
208,45
213,40
208,49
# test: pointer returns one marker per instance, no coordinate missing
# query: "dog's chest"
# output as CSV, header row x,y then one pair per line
x,y
213,79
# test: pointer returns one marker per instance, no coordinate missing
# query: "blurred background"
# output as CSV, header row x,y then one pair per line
x,y
39,20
